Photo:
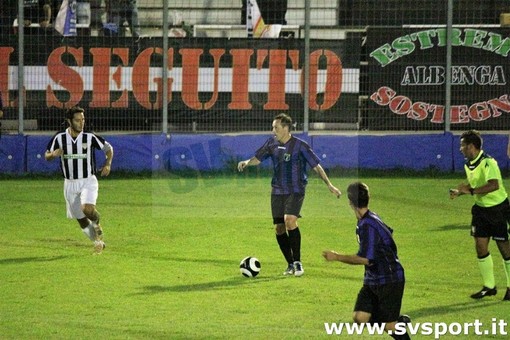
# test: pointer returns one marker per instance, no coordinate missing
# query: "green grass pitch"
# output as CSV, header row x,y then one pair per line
x,y
170,269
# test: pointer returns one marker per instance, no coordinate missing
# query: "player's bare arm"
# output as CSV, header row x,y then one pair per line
x,y
331,255
105,171
51,155
320,171
465,189
243,164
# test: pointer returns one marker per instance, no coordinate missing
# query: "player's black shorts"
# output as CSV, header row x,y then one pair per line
x,y
491,221
382,301
282,205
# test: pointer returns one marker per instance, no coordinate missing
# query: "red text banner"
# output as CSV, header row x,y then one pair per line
x,y
209,80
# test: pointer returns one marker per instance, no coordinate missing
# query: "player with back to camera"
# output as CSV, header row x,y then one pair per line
x,y
490,211
76,149
290,156
380,298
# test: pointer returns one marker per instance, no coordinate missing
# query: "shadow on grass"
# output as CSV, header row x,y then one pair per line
x,y
453,227
192,260
205,286
337,273
452,308
21,260
70,242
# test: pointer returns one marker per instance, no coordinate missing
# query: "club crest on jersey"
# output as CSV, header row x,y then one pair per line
x,y
84,147
286,157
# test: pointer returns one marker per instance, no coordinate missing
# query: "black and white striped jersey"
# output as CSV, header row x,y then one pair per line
x,y
78,158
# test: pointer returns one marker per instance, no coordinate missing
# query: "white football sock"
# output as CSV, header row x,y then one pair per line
x,y
90,232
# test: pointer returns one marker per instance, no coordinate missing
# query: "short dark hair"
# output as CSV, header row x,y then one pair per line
x,y
284,119
358,194
70,112
472,137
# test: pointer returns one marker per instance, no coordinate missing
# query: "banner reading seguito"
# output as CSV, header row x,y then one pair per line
x,y
207,79
407,78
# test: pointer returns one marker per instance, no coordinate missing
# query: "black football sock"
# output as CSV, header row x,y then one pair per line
x,y
295,243
283,242
404,336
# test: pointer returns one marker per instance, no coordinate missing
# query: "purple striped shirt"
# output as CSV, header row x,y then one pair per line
x,y
376,244
289,164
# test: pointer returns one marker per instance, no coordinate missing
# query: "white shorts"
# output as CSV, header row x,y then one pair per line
x,y
78,192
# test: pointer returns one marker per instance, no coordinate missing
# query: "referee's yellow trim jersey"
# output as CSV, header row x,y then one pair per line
x,y
479,171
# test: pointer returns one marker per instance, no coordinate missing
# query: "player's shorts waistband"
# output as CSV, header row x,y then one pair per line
x,y
79,179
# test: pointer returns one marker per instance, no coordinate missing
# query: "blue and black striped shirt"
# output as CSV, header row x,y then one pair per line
x,y
289,164
377,245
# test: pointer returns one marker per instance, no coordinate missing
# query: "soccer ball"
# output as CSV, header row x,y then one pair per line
x,y
249,266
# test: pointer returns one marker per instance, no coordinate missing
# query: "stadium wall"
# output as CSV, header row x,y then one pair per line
x,y
22,154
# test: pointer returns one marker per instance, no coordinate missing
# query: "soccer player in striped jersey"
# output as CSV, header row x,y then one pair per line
x,y
76,149
380,298
290,156
490,213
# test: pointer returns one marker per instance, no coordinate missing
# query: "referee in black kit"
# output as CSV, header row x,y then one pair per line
x,y
76,147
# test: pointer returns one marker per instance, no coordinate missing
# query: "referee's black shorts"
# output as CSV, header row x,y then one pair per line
x,y
382,301
282,205
491,221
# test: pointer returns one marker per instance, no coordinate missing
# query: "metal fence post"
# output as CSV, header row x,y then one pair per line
x,y
448,80
164,71
306,70
21,77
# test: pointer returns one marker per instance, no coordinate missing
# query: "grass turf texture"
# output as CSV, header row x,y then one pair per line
x,y
170,269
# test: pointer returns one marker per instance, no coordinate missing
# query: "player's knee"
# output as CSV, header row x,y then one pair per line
x,y
360,317
482,247
390,326
482,252
356,319
290,222
279,229
504,248
88,210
